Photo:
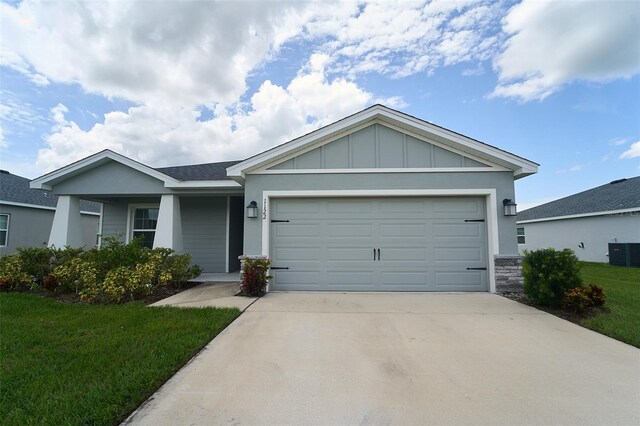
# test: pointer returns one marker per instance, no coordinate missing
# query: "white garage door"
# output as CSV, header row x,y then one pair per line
x,y
379,244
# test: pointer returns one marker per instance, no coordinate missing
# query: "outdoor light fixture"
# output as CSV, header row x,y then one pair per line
x,y
252,210
509,207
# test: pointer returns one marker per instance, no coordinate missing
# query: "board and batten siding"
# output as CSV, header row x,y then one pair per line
x,y
204,231
377,146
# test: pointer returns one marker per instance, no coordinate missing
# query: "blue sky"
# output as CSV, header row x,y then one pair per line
x,y
189,82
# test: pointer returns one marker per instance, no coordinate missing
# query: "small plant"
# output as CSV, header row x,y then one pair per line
x,y
50,282
549,274
596,294
577,300
12,277
255,277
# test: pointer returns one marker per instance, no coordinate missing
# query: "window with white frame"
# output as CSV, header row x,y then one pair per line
x,y
145,220
520,233
4,229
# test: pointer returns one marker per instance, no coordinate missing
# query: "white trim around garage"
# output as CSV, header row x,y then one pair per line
x,y
576,216
493,242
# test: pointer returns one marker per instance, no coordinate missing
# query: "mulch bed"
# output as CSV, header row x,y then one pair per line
x,y
159,292
567,315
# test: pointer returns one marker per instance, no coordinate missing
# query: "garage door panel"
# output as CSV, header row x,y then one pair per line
x,y
425,244
286,207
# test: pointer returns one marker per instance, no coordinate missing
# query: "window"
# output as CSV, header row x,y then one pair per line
x,y
4,229
520,233
144,224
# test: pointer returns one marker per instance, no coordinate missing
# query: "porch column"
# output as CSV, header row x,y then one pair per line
x,y
67,227
169,227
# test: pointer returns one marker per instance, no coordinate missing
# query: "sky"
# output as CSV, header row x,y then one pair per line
x,y
179,82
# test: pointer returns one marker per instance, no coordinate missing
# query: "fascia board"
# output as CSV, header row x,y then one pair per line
x,y
581,215
202,184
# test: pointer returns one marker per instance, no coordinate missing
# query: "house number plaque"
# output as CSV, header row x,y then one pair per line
x,y
264,209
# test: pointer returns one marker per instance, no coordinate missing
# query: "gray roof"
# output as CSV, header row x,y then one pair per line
x,y
16,189
620,194
208,171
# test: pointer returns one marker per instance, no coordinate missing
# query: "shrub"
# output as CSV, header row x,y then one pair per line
x,y
577,300
548,274
254,277
50,282
35,261
596,294
12,277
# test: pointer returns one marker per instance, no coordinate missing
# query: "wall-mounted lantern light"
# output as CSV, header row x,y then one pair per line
x,y
252,210
509,207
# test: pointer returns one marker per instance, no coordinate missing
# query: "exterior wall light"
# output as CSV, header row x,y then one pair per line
x,y
509,207
252,210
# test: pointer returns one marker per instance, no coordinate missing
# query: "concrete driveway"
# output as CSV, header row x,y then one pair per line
x,y
410,358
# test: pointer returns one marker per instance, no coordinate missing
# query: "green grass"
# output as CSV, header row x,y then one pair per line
x,y
81,364
622,286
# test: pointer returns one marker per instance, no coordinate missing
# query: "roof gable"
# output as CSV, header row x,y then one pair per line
x,y
619,195
378,114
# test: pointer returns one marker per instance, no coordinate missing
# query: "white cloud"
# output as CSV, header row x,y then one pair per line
x,y
556,42
167,135
573,169
618,141
3,143
632,152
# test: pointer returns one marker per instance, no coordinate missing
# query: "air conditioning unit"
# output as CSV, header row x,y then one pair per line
x,y
624,254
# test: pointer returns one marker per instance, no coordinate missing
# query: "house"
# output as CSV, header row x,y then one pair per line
x,y
585,222
377,201
26,215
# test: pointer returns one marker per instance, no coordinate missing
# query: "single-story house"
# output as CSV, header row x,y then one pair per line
x,y
377,201
585,222
26,215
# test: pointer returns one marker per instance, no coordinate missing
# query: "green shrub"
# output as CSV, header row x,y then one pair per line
x,y
36,261
577,300
12,276
254,277
596,294
549,274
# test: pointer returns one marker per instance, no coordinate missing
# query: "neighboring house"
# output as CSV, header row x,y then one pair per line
x,y
585,222
378,201
26,215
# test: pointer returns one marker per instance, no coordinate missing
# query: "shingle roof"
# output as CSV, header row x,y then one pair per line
x,y
209,171
617,195
16,189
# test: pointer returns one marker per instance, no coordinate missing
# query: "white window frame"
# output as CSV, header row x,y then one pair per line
x,y
6,239
132,212
523,235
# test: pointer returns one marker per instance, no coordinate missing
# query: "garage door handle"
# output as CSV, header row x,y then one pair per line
x,y
279,267
476,269
379,258
374,254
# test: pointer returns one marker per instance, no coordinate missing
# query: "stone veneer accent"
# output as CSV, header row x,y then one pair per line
x,y
508,271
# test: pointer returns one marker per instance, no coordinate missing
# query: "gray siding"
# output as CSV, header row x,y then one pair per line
x,y
204,231
111,178
501,181
377,146
114,219
595,232
236,232
29,227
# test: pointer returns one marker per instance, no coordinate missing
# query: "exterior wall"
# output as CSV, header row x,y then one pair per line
x,y
377,146
502,182
594,232
204,231
111,178
30,227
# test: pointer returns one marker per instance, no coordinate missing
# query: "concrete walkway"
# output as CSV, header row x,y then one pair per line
x,y
373,359
210,294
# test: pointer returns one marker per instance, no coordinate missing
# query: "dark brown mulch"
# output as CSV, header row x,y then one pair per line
x,y
159,292
568,315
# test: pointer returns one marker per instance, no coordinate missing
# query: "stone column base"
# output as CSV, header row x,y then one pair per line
x,y
508,270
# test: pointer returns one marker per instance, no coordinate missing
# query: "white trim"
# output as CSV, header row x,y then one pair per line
x,y
493,241
576,216
226,238
394,170
520,166
6,238
101,229
130,214
217,184
44,182
34,206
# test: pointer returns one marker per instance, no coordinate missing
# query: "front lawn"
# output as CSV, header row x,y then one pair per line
x,y
81,364
622,286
